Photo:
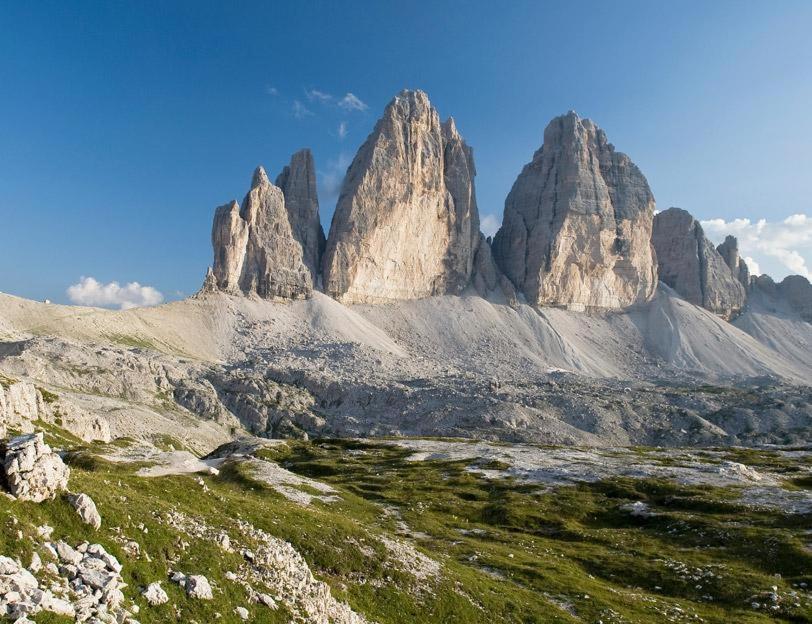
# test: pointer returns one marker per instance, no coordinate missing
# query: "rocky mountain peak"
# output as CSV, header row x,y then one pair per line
x,y
406,225
298,183
729,250
577,224
255,250
690,264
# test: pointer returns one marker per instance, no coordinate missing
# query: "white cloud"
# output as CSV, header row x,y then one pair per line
x,y
314,95
351,102
333,177
271,90
489,224
90,292
342,130
752,266
300,111
785,245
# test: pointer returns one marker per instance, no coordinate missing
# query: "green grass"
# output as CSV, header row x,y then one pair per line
x,y
510,552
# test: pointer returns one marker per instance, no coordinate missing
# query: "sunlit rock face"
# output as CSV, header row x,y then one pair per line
x,y
577,225
298,183
255,250
729,250
689,263
406,225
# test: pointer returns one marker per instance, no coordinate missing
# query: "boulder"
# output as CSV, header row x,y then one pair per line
x,y
198,586
31,470
86,509
255,251
155,595
577,225
406,225
298,183
690,264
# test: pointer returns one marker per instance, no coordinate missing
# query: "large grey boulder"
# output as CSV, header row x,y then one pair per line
x,y
31,470
298,183
690,264
255,250
577,225
406,225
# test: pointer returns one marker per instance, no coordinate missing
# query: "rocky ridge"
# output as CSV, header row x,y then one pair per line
x,y
690,264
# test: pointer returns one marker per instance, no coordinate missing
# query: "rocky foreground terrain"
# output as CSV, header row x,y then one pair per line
x,y
597,416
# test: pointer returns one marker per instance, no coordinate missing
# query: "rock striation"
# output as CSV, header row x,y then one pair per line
x,y
729,250
255,250
31,470
406,225
298,183
690,264
577,225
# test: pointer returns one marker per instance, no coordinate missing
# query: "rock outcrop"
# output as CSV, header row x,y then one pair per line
x,y
298,183
577,225
689,263
31,470
486,277
729,250
794,291
255,250
406,225
86,508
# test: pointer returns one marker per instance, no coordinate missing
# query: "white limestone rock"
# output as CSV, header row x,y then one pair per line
x,y
690,264
86,509
32,471
298,183
577,225
155,595
197,586
406,225
255,251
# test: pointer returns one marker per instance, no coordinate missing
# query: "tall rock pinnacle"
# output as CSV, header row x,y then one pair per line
x,y
577,223
255,251
729,250
406,225
689,263
298,183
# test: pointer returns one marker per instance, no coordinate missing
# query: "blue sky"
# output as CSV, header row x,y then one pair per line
x,y
123,125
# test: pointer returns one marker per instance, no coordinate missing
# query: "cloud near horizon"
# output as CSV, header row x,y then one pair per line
x,y
90,292
786,245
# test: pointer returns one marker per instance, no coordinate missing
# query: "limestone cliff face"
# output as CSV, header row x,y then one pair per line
x,y
255,250
689,263
577,223
298,183
406,225
794,291
729,250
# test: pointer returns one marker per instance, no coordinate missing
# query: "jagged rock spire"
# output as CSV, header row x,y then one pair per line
x,y
689,263
577,223
298,183
729,250
406,225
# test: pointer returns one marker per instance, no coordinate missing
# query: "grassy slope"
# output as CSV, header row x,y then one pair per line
x,y
510,552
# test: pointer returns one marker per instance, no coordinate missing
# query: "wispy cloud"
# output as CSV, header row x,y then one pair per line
x,y
314,95
786,244
342,130
300,111
489,224
333,177
89,291
271,90
351,102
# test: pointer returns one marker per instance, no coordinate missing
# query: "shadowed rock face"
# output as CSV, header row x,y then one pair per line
x,y
794,290
689,263
255,251
729,250
406,225
577,224
298,183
